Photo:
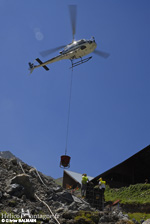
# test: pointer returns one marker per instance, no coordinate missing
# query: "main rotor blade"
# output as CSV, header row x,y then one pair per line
x,y
101,53
73,15
50,51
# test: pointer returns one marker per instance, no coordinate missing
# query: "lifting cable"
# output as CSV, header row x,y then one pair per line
x,y
69,111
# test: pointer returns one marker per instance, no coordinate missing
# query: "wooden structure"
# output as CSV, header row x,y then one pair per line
x,y
135,169
72,179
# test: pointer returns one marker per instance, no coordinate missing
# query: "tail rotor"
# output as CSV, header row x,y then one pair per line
x,y
31,67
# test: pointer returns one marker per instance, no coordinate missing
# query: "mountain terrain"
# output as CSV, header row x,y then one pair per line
x,y
26,195
8,155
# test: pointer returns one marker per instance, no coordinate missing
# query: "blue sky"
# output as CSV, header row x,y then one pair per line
x,y
110,105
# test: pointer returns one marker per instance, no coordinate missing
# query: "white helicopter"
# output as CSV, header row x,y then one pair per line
x,y
76,49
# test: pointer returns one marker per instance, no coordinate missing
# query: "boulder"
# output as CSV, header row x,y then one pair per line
x,y
24,180
146,222
65,197
13,161
15,190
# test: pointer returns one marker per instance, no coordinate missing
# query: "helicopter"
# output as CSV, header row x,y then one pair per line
x,y
73,51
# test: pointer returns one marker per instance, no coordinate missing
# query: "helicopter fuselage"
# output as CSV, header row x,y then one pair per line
x,y
79,49
75,50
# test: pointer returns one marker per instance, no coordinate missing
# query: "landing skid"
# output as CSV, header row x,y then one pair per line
x,y
80,62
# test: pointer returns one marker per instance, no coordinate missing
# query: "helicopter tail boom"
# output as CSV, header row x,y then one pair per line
x,y
40,62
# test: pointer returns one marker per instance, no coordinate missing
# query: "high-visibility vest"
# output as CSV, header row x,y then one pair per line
x,y
102,184
84,179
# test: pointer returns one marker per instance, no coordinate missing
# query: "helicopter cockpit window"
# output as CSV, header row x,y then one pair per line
x,y
70,46
81,41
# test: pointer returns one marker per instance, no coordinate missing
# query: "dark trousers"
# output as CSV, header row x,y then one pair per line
x,y
83,190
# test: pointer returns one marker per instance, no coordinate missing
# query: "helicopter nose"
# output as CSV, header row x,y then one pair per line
x,y
94,45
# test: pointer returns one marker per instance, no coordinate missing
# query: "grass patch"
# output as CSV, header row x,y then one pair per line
x,y
138,193
139,216
58,182
84,217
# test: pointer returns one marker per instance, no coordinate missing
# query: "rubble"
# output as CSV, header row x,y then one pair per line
x,y
24,190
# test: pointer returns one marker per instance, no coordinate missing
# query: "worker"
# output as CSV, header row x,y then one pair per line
x,y
102,184
84,184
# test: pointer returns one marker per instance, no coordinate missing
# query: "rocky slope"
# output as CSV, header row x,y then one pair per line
x,y
8,155
25,190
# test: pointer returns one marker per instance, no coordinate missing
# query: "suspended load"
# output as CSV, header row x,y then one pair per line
x,y
65,161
